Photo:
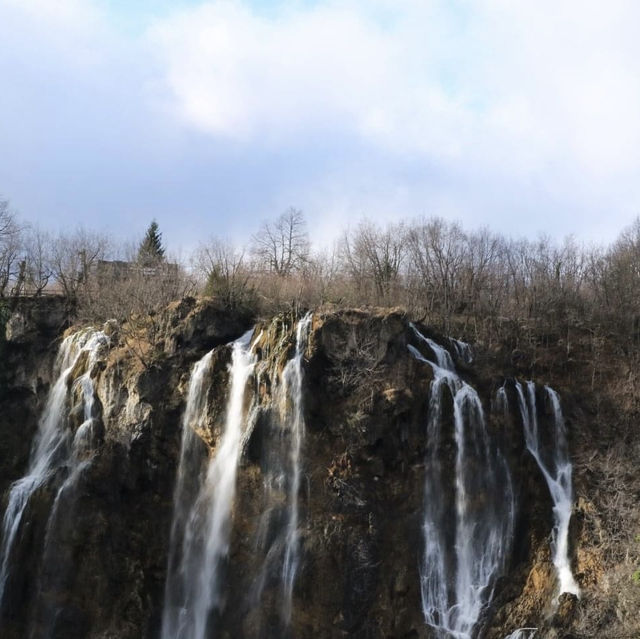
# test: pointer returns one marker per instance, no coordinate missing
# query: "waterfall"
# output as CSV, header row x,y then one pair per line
x,y
462,350
201,522
523,633
292,387
278,535
465,547
184,496
556,469
56,447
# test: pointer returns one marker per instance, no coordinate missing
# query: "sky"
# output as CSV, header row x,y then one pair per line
x,y
213,116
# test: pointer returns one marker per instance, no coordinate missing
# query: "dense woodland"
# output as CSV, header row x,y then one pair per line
x,y
477,282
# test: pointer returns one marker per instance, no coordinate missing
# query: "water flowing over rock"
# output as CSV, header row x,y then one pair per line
x,y
469,517
200,535
278,536
341,474
555,465
294,416
201,528
523,633
67,433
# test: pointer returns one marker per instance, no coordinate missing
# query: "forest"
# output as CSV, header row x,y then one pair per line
x,y
484,283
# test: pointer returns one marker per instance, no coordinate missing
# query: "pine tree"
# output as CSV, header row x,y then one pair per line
x,y
151,250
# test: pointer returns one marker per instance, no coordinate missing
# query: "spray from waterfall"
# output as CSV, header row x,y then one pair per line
x,y
56,448
556,469
202,519
465,545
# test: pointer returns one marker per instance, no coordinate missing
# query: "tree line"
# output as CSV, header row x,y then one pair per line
x,y
436,269
479,282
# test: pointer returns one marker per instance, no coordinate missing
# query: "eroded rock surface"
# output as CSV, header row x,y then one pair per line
x,y
361,498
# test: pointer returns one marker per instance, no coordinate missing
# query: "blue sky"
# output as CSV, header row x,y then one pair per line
x,y
213,116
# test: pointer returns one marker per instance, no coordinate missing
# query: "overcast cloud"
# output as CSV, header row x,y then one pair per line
x,y
211,116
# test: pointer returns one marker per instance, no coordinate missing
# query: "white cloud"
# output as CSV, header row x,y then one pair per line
x,y
72,32
237,74
496,81
517,114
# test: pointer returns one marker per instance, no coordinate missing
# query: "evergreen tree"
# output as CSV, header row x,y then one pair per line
x,y
151,250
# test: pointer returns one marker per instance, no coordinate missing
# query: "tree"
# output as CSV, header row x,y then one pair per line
x,y
374,255
224,270
438,251
10,246
282,246
151,251
37,259
72,257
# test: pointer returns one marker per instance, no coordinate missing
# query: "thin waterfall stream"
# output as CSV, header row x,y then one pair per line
x,y
556,468
523,633
56,447
292,393
278,534
201,525
459,570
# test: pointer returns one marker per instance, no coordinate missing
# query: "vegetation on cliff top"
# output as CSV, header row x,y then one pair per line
x,y
477,283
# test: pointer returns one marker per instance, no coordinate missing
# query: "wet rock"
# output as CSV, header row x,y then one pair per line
x,y
361,497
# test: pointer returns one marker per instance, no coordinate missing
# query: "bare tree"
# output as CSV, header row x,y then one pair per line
x,y
324,277
282,246
37,259
439,251
615,274
10,246
73,255
224,270
375,255
482,283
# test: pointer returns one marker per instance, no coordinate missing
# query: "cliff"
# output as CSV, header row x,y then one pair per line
x,y
334,463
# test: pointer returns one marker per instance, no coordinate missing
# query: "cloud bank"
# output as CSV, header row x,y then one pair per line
x,y
518,115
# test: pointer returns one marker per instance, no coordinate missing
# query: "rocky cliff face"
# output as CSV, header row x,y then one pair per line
x,y
326,532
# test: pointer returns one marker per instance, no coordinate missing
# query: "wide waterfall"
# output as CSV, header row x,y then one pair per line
x,y
553,461
57,450
201,528
468,537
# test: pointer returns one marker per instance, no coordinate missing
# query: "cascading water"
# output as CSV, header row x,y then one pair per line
x,y
278,538
292,388
202,519
556,468
462,350
465,546
56,448
191,454
523,633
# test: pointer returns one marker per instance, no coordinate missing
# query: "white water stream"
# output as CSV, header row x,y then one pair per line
x,y
523,633
56,446
292,392
465,546
201,528
556,468
278,534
